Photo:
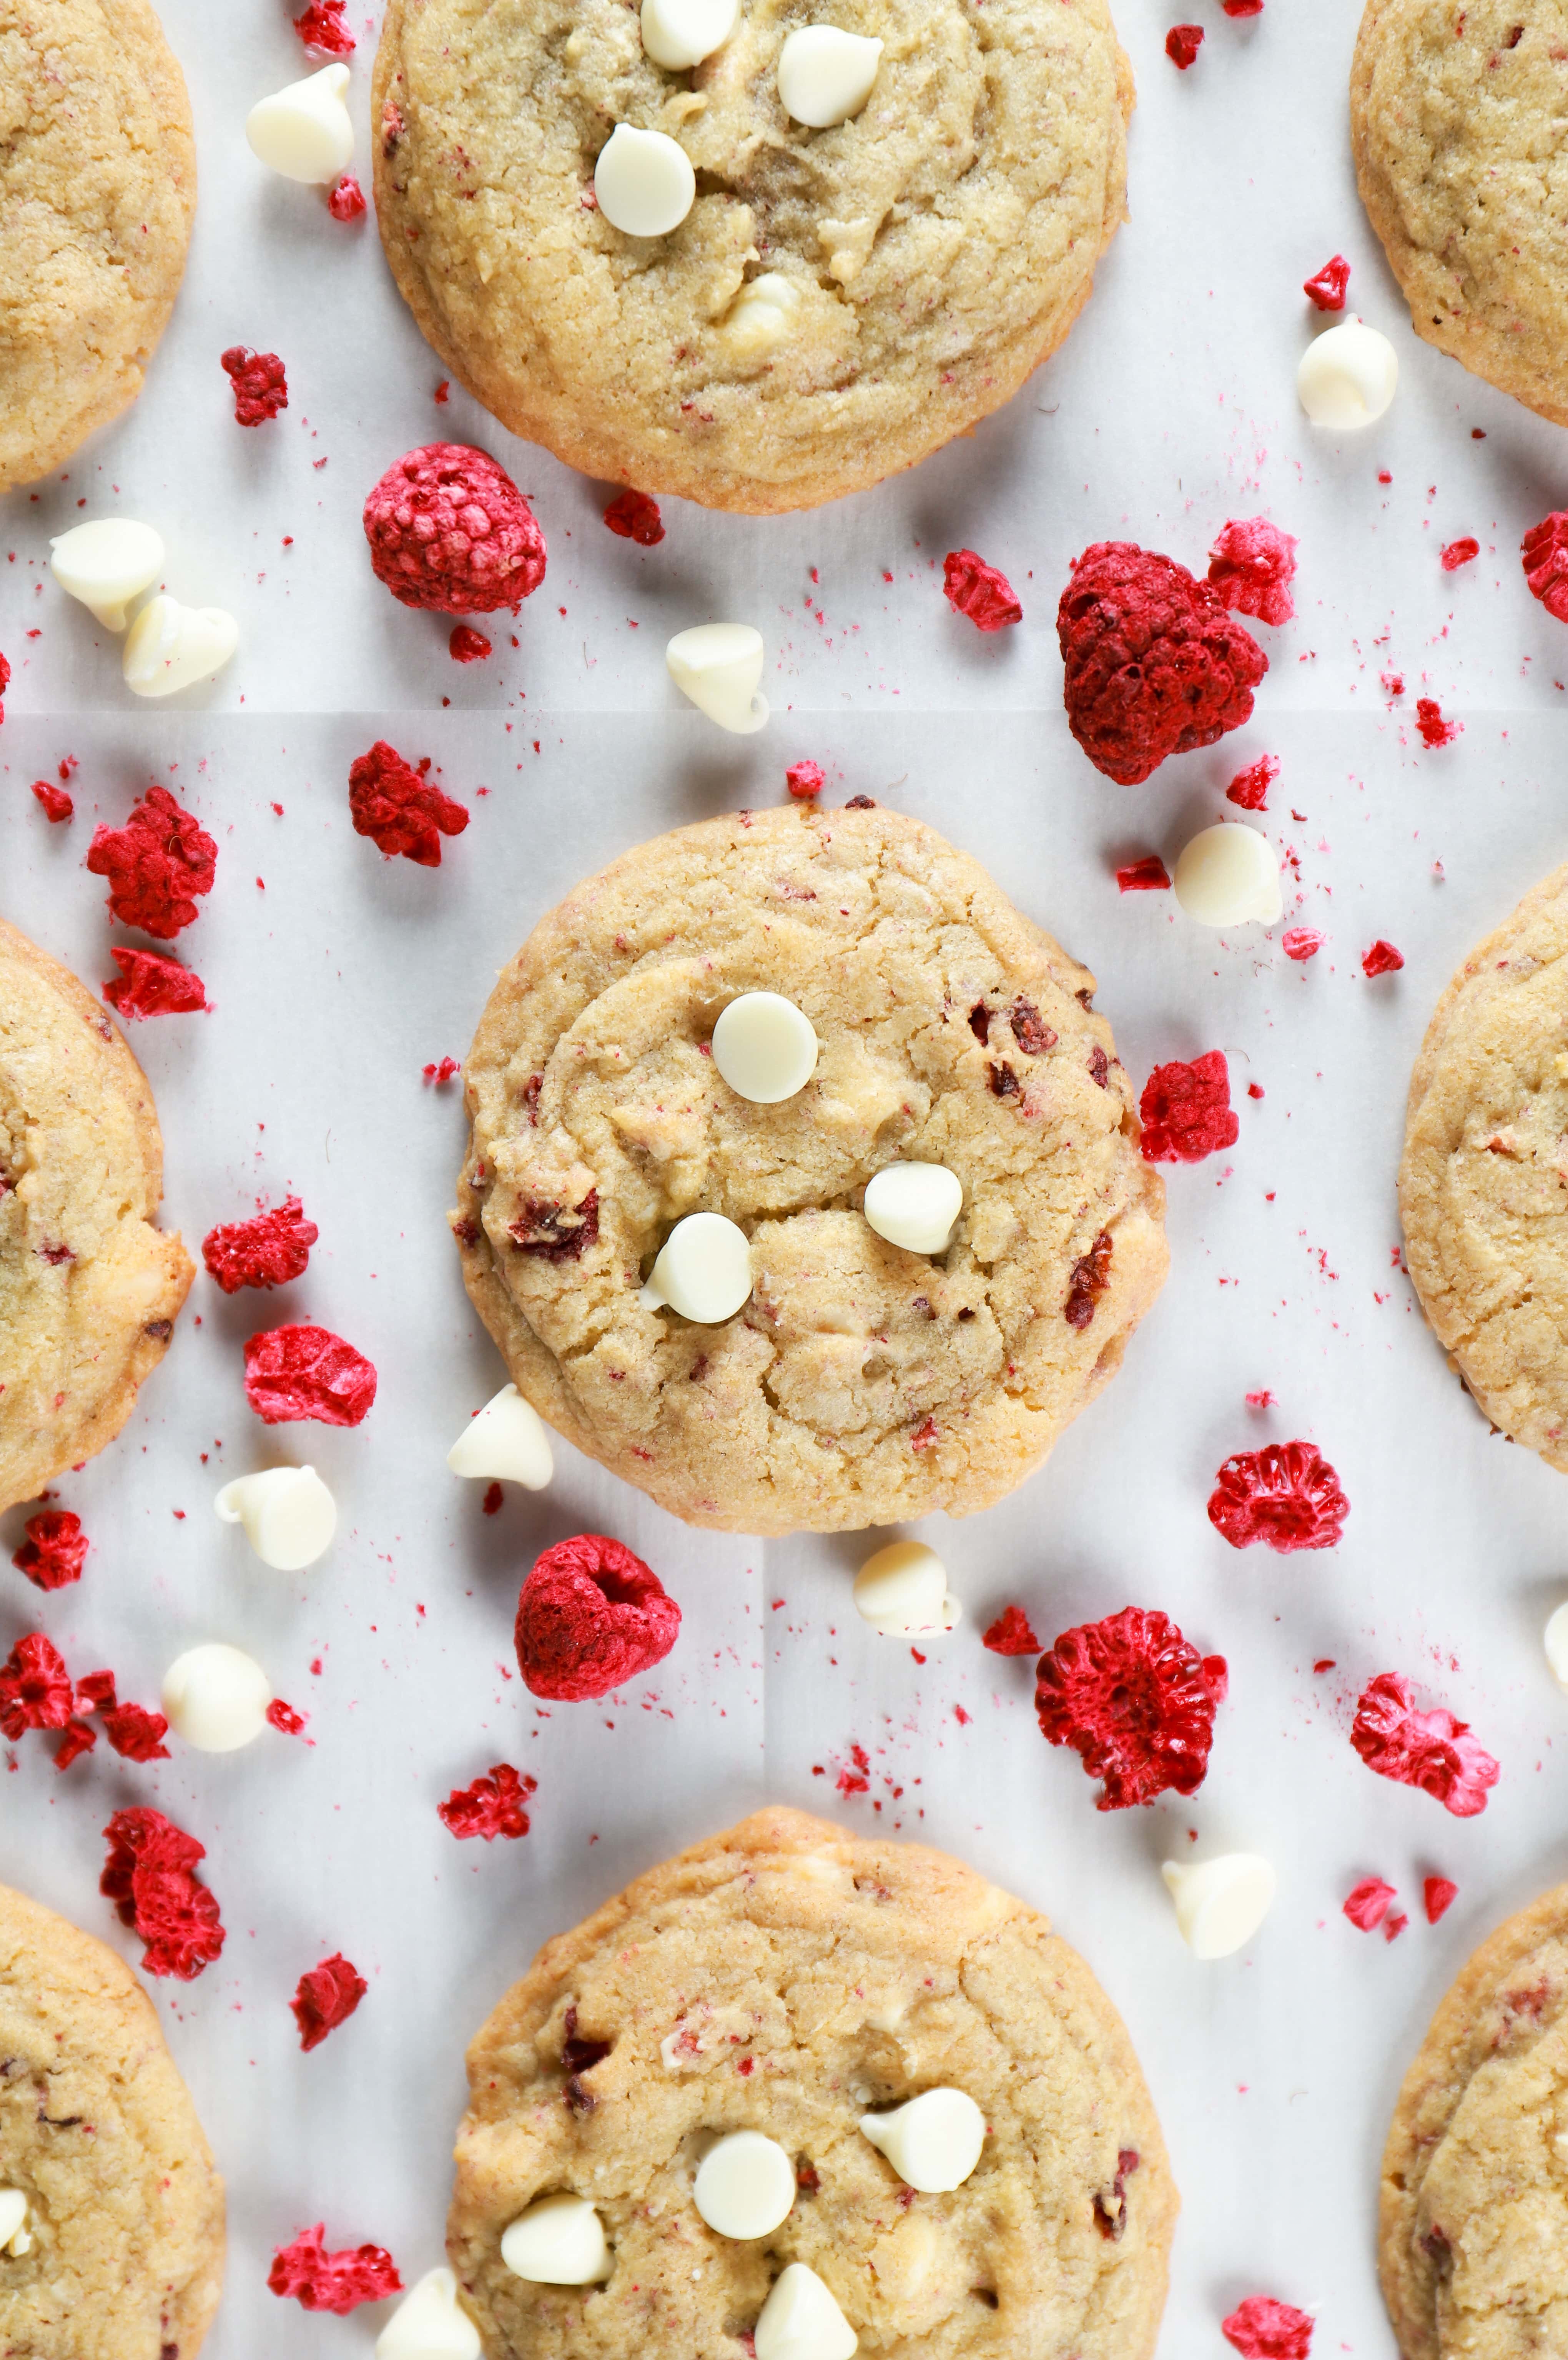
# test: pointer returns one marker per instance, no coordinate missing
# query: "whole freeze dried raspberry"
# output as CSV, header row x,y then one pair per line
x,y
490,1807
1545,557
1136,1700
346,203
1149,875
323,27
1251,566
1185,1110
1262,2329
1301,942
1326,287
467,646
150,985
1460,553
57,804
1368,1906
1011,1633
136,1733
1432,1750
149,1875
266,1252
261,389
397,806
980,591
327,1996
804,779
1382,960
1430,727
54,1550
338,2282
449,529
34,1687
156,864
1154,663
1437,1895
1286,1495
303,1372
635,517
1182,43
591,1616
1249,787
1087,1281
284,1719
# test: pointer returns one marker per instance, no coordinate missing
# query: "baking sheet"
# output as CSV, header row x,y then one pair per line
x,y
335,977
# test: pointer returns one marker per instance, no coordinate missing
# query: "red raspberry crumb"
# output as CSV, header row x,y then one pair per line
x,y
591,1616
54,1551
1242,8
1149,875
1249,787
34,1687
303,1372
1135,1702
78,1740
980,591
1394,1926
156,864
340,2283
5,683
1251,566
1185,1110
1089,1277
136,1733
266,1252
327,1996
95,1693
1154,663
442,393
635,517
149,1877
1545,558
804,779
1432,730
449,529
1011,1635
323,27
490,1806
56,804
1301,942
494,1501
261,389
438,1075
346,203
1437,1895
1460,553
1382,960
1432,1750
398,807
1368,1906
467,646
1286,1495
284,1719
1262,2329
150,985
1182,43
1326,287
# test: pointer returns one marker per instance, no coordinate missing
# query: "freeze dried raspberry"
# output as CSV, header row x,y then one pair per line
x,y
1432,730
34,1687
148,1877
327,1996
136,1733
156,864
303,1372
1154,663
266,1252
284,1719
1368,1906
1030,1030
559,1232
1135,1702
95,1693
1262,2329
980,591
1393,1927
1460,553
635,517
1437,1893
804,779
346,203
1011,1633
1249,787
1429,1750
54,1550
438,1075
339,2282
1326,287
261,389
397,806
449,529
150,985
1149,875
78,1740
56,804
1185,1110
1286,1495
490,1806
1242,8
591,1616
467,646
1251,566
1089,1276
323,27
1182,43
1382,960
1545,559
1301,942
5,683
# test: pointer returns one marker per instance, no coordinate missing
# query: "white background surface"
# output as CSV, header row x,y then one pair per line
x,y
1172,409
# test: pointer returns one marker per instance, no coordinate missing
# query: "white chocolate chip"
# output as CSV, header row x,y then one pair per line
x,y
215,1697
644,182
800,2321
762,315
765,1048
106,563
560,2241
718,666
680,33
903,1589
288,1514
507,1440
1347,375
1228,875
934,2143
170,647
914,1206
1221,1903
304,131
428,2324
745,2185
704,1271
14,2234
825,75
1556,1638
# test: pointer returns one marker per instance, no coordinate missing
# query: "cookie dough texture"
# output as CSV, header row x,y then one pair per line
x,y
97,192
936,249
860,1384
788,1978
124,2207
1461,147
1483,1184
89,1288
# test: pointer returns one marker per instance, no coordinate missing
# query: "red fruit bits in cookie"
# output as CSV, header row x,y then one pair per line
x,y
1262,2329
299,1372
1185,1110
804,779
57,804
490,1807
1382,960
980,591
1249,787
1326,287
1437,1895
149,1878
327,1996
1432,1750
346,203
323,27
398,807
338,2282
1011,1635
591,1616
266,1252
1154,663
1368,1906
1136,1700
1545,557
156,864
150,985
1149,875
1286,1495
1251,566
34,1687
466,646
449,529
54,1550
635,517
1182,43
261,389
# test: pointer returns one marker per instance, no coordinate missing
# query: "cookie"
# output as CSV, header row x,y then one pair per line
x,y
1457,129
786,1978
932,251
859,1384
1484,1184
97,191
89,1289
123,2225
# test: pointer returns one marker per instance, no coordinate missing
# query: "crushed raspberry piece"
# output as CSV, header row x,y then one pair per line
x,y
1149,875
5,683
1185,1110
54,1551
635,517
284,1719
398,807
558,1232
1262,2329
438,1075
323,27
1545,559
136,1733
1394,1926
1326,287
591,1616
150,985
1438,1893
804,779
1182,43
1136,1700
34,1687
1301,942
1011,1633
449,529
1249,787
156,864
149,1877
491,1805
339,2282
1242,8
467,646
327,1996
269,1251
95,1693
1089,1276
304,1372
1286,1495
1368,1906
261,389
1432,730
57,804
1432,1750
1029,1028
494,1501
78,1740
1460,553
346,203
1154,663
1382,960
1251,566
980,591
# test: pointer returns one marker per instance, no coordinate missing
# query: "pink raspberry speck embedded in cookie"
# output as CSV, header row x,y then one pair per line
x,y
261,389
1367,1904
980,591
449,530
1185,1110
634,517
398,808
149,1878
1011,1633
156,864
1154,664
307,1373
1262,2329
327,1996
1136,1700
150,985
591,1616
1382,960
492,1806
269,1251
339,2282
53,1550
1286,1495
1431,1751
1326,287
1251,567
1544,552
